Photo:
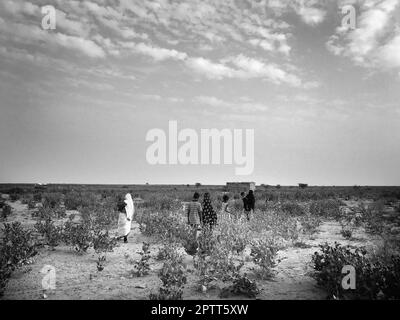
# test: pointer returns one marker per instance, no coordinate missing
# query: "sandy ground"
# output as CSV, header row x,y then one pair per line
x,y
77,276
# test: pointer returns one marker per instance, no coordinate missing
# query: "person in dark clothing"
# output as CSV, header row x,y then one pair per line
x,y
244,199
250,203
209,216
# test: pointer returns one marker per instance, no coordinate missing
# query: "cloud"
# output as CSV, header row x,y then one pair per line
x,y
310,15
375,43
253,68
69,26
54,40
311,12
389,53
244,67
247,106
210,69
157,53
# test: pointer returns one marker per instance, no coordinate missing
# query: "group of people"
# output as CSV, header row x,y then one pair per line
x,y
203,214
198,214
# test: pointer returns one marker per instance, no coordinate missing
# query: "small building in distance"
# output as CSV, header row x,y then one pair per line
x,y
240,186
40,187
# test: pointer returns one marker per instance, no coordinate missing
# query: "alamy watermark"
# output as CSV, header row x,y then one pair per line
x,y
349,20
349,280
49,19
49,278
187,147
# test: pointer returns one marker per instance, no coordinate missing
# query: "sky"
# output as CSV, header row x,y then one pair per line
x,y
77,101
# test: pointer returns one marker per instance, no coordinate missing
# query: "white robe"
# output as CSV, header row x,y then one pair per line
x,y
124,225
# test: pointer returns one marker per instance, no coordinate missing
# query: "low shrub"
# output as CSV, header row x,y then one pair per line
x,y
167,249
375,278
16,249
292,208
142,266
14,197
78,236
329,208
46,212
103,242
51,233
173,278
264,253
52,200
242,286
310,223
31,204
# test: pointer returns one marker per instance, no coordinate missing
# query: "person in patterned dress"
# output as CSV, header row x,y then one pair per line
x,y
209,216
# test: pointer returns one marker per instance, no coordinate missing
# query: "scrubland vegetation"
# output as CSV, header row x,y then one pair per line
x,y
234,259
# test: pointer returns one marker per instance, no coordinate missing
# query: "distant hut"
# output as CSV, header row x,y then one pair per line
x,y
240,186
40,187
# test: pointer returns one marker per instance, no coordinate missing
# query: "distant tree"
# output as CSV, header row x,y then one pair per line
x,y
303,185
278,186
198,184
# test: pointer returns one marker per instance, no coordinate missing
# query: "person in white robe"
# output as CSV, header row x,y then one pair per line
x,y
125,218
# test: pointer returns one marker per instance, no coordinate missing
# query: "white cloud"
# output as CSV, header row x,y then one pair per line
x,y
311,12
215,102
390,52
310,15
376,40
157,53
54,40
253,68
210,69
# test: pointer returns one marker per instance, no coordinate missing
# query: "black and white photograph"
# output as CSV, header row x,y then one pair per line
x,y
215,151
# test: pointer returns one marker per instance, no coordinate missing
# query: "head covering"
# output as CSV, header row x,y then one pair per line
x,y
209,216
130,209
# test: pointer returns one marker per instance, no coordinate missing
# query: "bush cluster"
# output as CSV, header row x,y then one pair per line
x,y
375,278
16,248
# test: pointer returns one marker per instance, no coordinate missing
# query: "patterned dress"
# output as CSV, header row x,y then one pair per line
x,y
209,216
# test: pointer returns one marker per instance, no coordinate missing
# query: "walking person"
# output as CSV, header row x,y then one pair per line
x,y
126,210
225,208
209,217
250,199
245,203
194,214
